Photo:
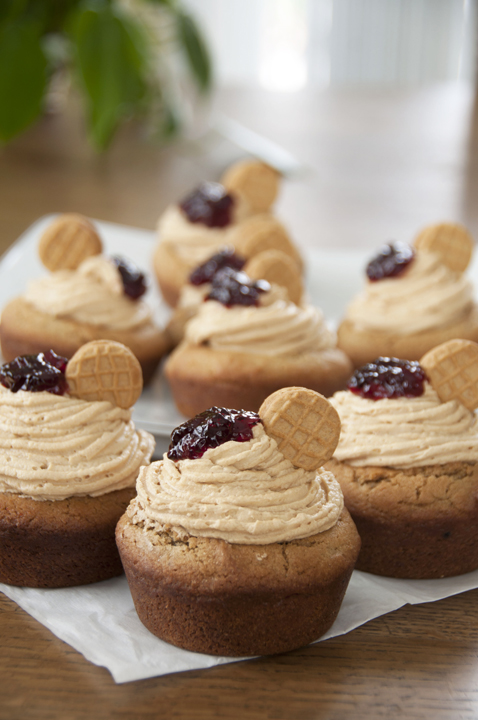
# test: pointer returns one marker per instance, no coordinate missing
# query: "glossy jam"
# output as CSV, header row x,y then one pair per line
x,y
36,373
391,261
232,287
134,282
209,429
210,204
225,258
388,378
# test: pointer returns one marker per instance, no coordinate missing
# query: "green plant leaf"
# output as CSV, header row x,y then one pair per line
x,y
110,60
170,123
195,49
166,3
13,9
22,76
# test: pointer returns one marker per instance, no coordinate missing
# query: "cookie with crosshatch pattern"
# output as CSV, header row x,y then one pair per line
x,y
257,182
452,369
70,239
303,423
262,232
275,267
451,241
105,370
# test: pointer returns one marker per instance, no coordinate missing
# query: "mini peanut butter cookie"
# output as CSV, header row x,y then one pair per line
x,y
105,370
263,232
69,240
452,369
257,182
451,241
304,424
275,267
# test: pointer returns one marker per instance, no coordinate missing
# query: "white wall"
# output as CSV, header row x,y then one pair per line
x,y
340,42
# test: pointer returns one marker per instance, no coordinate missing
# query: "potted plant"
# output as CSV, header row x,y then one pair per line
x,y
129,58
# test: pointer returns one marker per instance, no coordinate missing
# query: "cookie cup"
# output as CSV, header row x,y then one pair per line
x,y
210,596
414,523
364,345
200,377
61,543
26,330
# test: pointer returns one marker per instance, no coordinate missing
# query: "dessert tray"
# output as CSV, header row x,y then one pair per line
x,y
99,620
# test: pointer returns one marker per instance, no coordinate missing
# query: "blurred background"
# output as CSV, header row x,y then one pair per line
x,y
288,45
367,106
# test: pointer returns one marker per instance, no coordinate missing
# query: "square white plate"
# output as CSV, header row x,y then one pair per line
x,y
333,278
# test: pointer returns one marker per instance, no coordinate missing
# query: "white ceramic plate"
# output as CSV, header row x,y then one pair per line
x,y
332,280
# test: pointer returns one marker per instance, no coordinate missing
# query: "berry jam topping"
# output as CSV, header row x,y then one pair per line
x,y
134,282
209,429
388,378
35,373
391,261
210,204
232,287
225,258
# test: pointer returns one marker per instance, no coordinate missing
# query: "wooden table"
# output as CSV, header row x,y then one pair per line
x,y
380,165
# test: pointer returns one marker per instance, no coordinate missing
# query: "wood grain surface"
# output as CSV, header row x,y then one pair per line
x,y
377,166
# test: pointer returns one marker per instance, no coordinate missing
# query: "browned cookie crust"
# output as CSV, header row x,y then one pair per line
x,y
200,377
414,523
25,330
363,346
52,544
210,596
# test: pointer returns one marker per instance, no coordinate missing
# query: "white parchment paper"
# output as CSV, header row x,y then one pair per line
x,y
99,620
101,623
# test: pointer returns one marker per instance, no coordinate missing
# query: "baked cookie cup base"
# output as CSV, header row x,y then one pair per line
x,y
364,345
200,377
209,596
420,523
62,543
171,272
24,330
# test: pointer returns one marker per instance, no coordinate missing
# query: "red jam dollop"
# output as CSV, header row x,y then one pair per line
x,y
232,287
209,429
134,281
210,204
225,258
388,378
36,373
392,260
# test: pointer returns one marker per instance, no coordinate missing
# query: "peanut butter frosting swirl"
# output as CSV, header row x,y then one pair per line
x,y
427,295
242,492
91,294
405,432
276,327
195,242
54,447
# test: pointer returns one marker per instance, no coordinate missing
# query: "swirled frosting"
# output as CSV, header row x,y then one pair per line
x,y
193,295
194,242
427,295
54,447
276,327
405,432
242,492
91,294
